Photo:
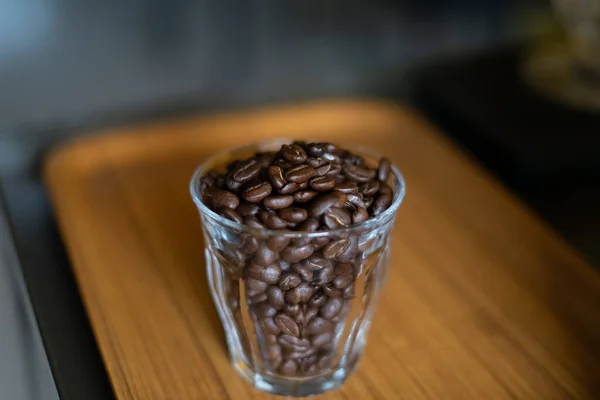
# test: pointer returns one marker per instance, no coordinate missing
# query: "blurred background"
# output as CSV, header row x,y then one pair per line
x,y
513,82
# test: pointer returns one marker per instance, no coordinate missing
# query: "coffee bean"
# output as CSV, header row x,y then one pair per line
x,y
245,171
317,300
322,183
271,339
322,339
302,271
304,196
274,352
255,286
271,274
333,158
316,262
206,182
293,153
278,243
276,178
298,355
384,188
299,174
343,281
289,280
293,343
323,276
348,293
334,170
289,368
264,310
289,188
332,291
346,187
249,244
310,225
253,222
310,314
296,254
336,218
292,309
332,308
278,202
383,170
355,200
246,209
316,162
369,188
256,193
284,265
231,215
318,325
293,214
324,203
320,242
315,149
264,255
333,249
381,204
358,174
271,220
268,326
275,297
232,184
360,215
300,294
218,198
349,254
257,298
286,324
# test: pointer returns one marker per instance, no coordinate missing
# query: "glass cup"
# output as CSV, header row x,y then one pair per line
x,y
296,306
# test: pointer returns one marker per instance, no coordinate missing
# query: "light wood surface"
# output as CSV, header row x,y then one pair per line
x,y
483,300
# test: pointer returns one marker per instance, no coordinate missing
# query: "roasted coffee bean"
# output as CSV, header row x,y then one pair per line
x,y
293,154
322,183
360,215
384,188
232,184
298,355
249,244
381,204
278,243
246,209
289,188
310,225
289,368
315,149
322,339
293,343
334,170
253,222
257,298
335,218
383,170
264,255
299,174
289,280
346,187
220,182
332,158
325,202
304,196
278,202
369,188
323,170
304,272
276,178
284,265
320,242
269,274
292,309
332,308
348,293
270,339
310,314
245,171
317,300
318,325
323,276
264,310
276,297
255,286
316,162
296,254
206,182
287,324
274,352
256,193
344,276
316,262
349,254
332,291
218,198
333,249
272,220
293,214
358,174
231,215
268,326
300,294
355,200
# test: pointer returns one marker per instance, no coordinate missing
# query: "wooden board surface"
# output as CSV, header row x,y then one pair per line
x,y
483,301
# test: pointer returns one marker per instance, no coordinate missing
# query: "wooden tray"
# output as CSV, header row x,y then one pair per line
x,y
483,300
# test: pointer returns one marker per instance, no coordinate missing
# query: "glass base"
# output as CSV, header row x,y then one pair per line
x,y
295,387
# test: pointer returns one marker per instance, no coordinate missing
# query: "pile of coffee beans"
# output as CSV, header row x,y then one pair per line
x,y
297,289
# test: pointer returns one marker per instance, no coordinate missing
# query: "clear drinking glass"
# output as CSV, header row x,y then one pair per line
x,y
287,336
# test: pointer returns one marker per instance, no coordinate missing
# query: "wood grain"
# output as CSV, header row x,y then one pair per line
x,y
483,300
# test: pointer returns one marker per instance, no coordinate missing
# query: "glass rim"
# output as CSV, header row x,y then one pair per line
x,y
370,223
